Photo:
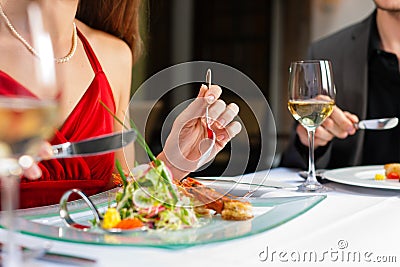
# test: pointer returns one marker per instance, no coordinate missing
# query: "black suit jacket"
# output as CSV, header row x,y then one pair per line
x,y
348,52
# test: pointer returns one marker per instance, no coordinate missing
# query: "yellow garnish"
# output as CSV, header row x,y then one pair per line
x,y
379,177
111,218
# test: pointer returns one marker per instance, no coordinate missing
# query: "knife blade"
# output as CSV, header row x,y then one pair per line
x,y
43,254
272,184
67,259
377,124
93,146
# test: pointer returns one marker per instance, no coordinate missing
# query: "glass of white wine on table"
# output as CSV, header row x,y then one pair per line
x,y
29,99
311,101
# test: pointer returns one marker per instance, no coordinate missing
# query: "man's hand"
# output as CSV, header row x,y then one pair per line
x,y
339,124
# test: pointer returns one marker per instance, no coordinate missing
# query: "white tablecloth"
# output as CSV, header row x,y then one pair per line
x,y
353,226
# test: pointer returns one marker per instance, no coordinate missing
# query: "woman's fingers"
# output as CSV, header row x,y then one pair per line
x,y
230,112
222,116
210,94
45,151
33,173
227,133
219,113
30,169
197,108
188,131
216,109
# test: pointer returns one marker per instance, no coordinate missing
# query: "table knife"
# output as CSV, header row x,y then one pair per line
x,y
377,124
232,181
42,254
94,146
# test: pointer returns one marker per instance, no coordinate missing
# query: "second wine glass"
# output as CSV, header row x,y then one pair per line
x,y
311,101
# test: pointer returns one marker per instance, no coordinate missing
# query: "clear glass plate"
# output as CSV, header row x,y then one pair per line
x,y
269,212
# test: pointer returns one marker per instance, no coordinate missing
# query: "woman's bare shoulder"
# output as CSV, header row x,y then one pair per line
x,y
114,55
107,47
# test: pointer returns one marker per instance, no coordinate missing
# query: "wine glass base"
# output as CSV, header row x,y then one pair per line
x,y
23,257
312,188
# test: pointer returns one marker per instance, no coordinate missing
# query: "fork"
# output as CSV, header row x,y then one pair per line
x,y
210,132
249,194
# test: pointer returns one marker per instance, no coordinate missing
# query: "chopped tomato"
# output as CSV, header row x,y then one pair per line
x,y
393,175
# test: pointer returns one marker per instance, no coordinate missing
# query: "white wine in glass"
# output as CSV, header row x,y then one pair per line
x,y
311,101
29,98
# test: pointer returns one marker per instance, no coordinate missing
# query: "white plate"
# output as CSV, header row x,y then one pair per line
x,y
363,176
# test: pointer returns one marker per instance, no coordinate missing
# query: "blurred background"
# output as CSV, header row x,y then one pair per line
x,y
257,37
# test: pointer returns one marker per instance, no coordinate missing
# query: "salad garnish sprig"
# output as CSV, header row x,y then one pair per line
x,y
149,195
142,142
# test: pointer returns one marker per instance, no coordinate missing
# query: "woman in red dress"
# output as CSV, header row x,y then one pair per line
x,y
108,44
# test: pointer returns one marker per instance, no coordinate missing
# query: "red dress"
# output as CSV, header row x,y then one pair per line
x,y
89,118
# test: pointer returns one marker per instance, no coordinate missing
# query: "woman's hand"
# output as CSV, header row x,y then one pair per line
x,y
30,169
184,147
339,124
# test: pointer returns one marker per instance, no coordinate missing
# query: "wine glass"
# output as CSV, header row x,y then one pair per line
x,y
311,101
28,105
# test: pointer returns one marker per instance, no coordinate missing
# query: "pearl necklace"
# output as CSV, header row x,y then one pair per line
x,y
64,59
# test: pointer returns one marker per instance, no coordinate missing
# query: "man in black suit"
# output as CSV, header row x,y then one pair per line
x,y
365,59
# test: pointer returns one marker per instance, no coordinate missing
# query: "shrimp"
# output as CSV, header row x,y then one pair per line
x,y
229,207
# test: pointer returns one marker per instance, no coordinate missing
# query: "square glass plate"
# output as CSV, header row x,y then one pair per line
x,y
45,222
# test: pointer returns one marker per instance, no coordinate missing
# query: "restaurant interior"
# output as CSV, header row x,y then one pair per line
x,y
253,213
258,38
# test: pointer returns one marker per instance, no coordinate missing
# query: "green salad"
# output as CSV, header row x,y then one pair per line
x,y
149,199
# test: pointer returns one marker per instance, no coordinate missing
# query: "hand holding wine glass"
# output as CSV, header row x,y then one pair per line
x,y
311,101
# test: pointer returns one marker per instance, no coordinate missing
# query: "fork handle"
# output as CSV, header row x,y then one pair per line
x,y
62,150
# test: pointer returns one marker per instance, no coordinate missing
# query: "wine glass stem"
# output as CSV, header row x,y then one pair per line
x,y
9,203
311,167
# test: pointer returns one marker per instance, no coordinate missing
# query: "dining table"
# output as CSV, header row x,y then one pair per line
x,y
351,225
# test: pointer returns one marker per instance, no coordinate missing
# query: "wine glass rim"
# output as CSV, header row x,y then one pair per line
x,y
310,61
